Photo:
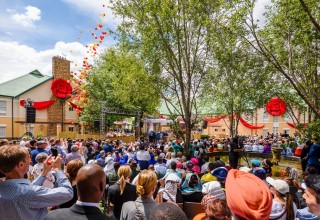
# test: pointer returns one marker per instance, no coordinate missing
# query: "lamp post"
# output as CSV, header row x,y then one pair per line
x,y
28,104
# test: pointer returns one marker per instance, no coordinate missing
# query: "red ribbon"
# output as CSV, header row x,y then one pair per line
x,y
293,125
246,124
75,106
39,105
214,120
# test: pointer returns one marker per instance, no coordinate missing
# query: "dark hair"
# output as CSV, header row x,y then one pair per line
x,y
213,166
311,170
116,166
168,211
173,165
313,182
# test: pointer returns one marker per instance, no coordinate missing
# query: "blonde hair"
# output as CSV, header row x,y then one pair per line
x,y
72,169
123,173
146,182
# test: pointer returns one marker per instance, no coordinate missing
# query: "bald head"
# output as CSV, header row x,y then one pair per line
x,y
91,182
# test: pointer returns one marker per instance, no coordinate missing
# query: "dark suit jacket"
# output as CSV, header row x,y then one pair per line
x,y
129,194
78,212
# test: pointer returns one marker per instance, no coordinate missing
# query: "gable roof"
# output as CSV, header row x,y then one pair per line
x,y
23,84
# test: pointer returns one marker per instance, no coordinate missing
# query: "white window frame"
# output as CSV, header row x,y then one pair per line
x,y
3,108
71,109
265,116
5,130
275,130
71,126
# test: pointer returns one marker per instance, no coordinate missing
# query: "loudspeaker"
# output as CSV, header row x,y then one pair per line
x,y
96,124
205,125
31,115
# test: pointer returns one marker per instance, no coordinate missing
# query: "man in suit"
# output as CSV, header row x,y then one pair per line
x,y
91,183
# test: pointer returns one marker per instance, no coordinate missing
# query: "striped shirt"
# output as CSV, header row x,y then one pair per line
x,y
19,199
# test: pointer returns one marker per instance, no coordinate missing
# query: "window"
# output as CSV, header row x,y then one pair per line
x,y
216,129
3,131
265,132
223,130
265,116
71,128
275,130
286,117
71,109
3,108
275,119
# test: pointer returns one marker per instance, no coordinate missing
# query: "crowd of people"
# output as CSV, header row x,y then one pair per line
x,y
76,179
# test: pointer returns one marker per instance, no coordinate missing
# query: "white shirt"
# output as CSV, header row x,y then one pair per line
x,y
87,204
204,167
143,155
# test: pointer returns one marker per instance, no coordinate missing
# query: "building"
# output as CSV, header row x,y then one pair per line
x,y
37,87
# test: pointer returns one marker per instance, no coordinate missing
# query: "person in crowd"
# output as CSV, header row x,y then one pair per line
x,y
122,191
160,168
102,160
304,153
109,165
255,163
134,171
195,167
283,207
314,155
246,201
267,148
219,162
91,183
72,170
41,146
73,154
23,141
312,194
113,176
170,184
191,188
143,157
215,209
107,147
221,174
267,166
208,177
38,168
168,211
172,158
235,149
143,206
19,198
204,167
117,157
33,144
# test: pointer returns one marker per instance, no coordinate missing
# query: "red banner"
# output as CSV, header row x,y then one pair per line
x,y
246,124
39,105
214,120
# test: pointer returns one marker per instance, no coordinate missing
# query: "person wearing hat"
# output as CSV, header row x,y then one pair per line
x,y
283,207
221,174
248,197
214,202
41,146
255,163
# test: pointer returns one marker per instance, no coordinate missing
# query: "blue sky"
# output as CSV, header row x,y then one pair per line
x,y
33,31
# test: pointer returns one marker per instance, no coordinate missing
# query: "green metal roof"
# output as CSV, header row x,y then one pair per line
x,y
23,84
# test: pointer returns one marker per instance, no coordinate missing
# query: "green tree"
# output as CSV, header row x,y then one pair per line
x,y
172,36
289,42
121,80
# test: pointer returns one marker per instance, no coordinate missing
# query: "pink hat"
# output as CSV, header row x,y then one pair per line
x,y
195,161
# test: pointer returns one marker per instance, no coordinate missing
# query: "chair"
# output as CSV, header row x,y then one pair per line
x,y
192,209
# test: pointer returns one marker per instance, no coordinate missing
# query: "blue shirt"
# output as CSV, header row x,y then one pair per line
x,y
20,199
35,152
304,214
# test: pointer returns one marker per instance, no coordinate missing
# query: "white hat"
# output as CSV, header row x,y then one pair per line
x,y
245,169
162,155
213,188
280,185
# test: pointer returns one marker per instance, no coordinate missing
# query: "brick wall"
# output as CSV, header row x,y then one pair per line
x,y
60,70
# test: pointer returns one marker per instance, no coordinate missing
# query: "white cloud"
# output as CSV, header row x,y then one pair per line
x,y
260,9
18,59
27,19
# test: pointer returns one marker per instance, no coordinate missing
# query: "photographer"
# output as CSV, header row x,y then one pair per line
x,y
19,198
236,147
